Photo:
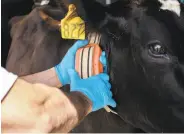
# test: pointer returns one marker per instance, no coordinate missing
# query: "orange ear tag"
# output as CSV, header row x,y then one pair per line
x,y
72,26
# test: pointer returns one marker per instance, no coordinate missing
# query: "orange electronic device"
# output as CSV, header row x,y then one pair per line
x,y
87,59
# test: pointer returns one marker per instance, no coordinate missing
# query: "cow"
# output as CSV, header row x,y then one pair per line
x,y
10,8
144,45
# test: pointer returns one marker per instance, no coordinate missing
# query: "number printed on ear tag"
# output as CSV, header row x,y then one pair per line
x,y
72,26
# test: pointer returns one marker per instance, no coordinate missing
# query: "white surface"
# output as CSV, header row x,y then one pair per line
x,y
44,2
171,5
8,80
108,2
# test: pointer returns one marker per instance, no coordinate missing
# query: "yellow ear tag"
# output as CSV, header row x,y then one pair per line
x,y
72,26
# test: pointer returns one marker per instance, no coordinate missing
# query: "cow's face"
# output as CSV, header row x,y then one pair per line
x,y
147,69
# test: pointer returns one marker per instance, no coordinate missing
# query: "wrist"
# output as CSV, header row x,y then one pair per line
x,y
48,77
60,74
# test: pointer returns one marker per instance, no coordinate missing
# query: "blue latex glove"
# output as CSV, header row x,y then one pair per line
x,y
96,88
103,60
68,62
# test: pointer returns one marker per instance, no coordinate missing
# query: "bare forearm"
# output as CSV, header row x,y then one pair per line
x,y
45,109
48,77
74,107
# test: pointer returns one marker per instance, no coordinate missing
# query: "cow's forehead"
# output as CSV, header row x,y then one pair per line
x,y
171,5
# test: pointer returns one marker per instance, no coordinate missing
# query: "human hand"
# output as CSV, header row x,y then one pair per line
x,y
103,60
96,88
68,62
36,108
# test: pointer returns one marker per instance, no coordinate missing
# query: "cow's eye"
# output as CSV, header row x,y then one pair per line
x,y
156,49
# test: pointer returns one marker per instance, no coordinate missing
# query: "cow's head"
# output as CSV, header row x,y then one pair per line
x,y
147,65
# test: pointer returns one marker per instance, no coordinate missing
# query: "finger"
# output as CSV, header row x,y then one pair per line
x,y
103,59
73,75
77,45
109,94
104,76
111,102
108,85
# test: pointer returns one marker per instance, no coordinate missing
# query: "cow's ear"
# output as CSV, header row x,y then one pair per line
x,y
13,23
180,19
54,13
182,15
15,20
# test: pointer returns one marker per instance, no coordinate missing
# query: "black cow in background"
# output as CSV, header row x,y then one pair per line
x,y
145,47
9,9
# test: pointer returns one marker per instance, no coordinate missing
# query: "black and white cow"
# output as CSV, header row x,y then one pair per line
x,y
144,43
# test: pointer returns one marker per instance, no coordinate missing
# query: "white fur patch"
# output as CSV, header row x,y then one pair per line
x,y
171,5
44,2
108,2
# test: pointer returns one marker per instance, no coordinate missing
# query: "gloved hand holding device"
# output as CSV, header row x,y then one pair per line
x,y
68,62
96,88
